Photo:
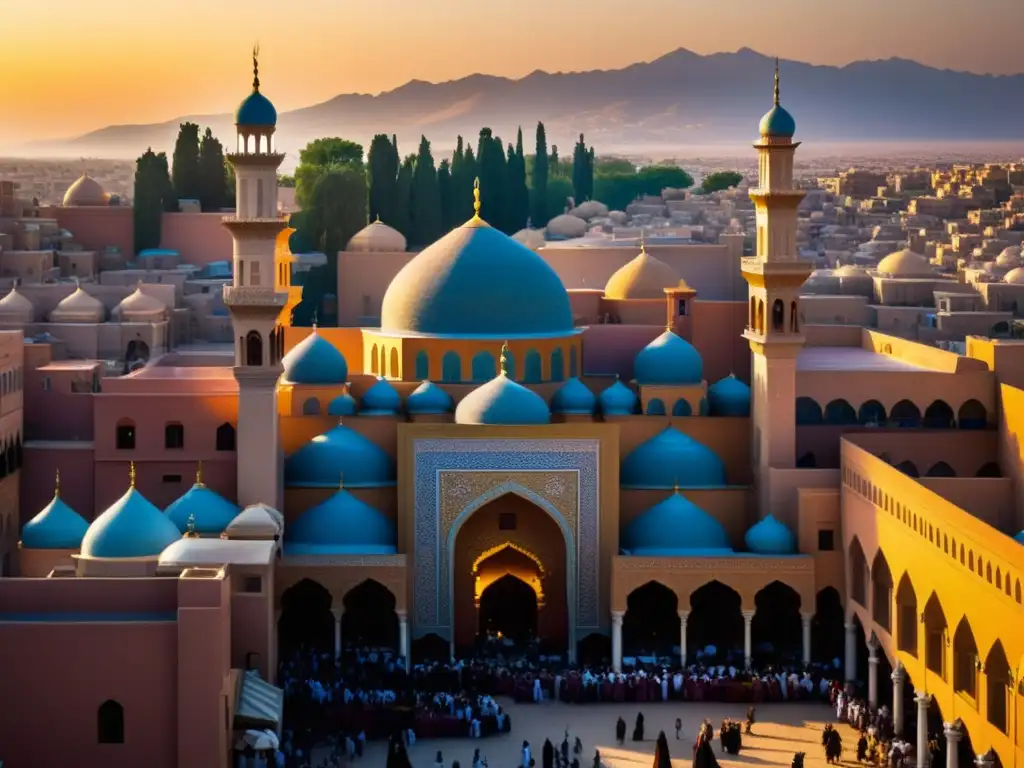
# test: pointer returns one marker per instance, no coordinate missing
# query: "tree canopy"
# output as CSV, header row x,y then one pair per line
x,y
185,171
331,151
715,182
153,195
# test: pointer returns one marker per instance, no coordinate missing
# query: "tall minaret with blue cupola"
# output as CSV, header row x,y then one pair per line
x,y
774,277
258,296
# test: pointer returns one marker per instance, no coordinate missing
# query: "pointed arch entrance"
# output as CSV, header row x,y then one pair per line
x,y
508,593
651,624
369,620
306,620
716,619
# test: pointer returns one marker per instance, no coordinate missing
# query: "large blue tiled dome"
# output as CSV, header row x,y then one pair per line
x,y
729,397
342,405
477,281
212,512
770,537
256,111
675,526
339,453
670,360
57,526
618,400
669,459
381,399
314,360
573,398
131,527
341,525
502,401
428,398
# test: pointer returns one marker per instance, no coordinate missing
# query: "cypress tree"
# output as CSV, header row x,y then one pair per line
x,y
590,173
162,178
147,204
212,178
520,193
538,209
491,159
426,214
403,199
383,166
186,173
464,171
553,168
579,171
444,195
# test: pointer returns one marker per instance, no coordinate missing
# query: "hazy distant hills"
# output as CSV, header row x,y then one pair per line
x,y
679,99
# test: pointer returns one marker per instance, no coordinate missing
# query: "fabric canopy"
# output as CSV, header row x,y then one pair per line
x,y
258,704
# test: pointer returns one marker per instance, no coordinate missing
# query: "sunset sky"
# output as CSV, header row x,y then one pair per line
x,y
71,66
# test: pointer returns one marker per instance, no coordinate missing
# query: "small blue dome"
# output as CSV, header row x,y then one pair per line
x,y
342,405
574,397
57,526
381,399
131,527
341,525
778,123
668,359
340,453
1019,538
675,526
502,401
672,458
770,537
618,400
314,360
729,397
213,513
256,111
428,398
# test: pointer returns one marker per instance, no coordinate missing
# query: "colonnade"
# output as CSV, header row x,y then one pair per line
x,y
403,634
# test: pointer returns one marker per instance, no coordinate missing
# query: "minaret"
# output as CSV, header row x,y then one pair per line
x,y
774,277
258,296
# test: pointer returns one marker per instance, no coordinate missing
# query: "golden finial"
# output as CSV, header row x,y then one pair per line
x,y
190,527
256,68
377,220
503,359
341,481
675,485
199,475
643,251
56,486
476,198
131,475
776,81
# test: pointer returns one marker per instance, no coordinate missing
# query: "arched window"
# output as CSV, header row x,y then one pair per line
x,y
533,367
753,313
778,316
972,415
374,366
808,411
655,407
225,437
794,325
422,365
840,412
253,348
557,365
873,413
311,407
998,685
905,414
760,318
881,602
174,436
510,364
682,407
451,367
573,362
394,368
483,367
938,415
965,660
940,469
124,435
110,723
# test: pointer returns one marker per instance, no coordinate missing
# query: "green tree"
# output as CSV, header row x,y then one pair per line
x,y
464,172
331,151
609,165
186,173
491,157
383,167
553,167
559,192
518,194
444,194
285,181
426,212
654,178
403,198
616,190
539,177
715,182
147,203
582,171
213,181
229,185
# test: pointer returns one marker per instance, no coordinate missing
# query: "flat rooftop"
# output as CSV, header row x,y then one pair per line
x,y
852,359
211,372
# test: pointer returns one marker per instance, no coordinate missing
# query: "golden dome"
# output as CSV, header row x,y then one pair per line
x,y
15,306
377,237
79,307
905,263
85,191
566,226
1015,276
645,277
531,238
139,305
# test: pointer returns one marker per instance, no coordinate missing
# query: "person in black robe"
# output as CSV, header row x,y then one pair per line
x,y
565,750
397,756
548,754
862,747
824,735
597,755
751,712
638,730
577,747
798,760
834,747
703,753
662,759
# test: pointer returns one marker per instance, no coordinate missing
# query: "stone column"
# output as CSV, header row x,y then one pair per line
x,y
806,618
851,651
403,637
922,700
683,616
953,734
873,662
748,619
617,640
338,613
899,675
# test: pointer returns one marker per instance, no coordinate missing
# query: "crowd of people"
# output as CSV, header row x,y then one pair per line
x,y
877,742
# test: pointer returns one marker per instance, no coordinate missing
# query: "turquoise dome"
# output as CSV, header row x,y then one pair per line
x,y
256,111
428,398
669,459
314,360
502,401
381,399
340,453
778,123
770,537
729,397
670,360
213,513
57,526
342,405
131,527
1019,538
477,281
675,526
618,400
341,525
574,398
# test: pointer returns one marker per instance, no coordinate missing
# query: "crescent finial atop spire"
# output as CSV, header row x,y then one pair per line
x,y
199,475
503,359
776,81
56,486
256,68
476,198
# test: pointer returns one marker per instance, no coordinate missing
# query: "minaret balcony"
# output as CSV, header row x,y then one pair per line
x,y
255,159
254,296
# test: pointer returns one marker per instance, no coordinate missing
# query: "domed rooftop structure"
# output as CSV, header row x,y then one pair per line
x,y
57,526
377,237
565,227
256,111
770,537
671,458
257,521
314,360
16,307
477,281
675,526
645,277
342,405
381,399
1014,276
531,238
906,264
589,209
339,452
850,270
777,123
428,398
341,525
1010,257
729,397
1019,538
502,401
618,400
573,398
78,307
201,510
139,306
85,191
668,360
131,527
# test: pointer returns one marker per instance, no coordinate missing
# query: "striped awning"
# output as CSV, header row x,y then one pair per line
x,y
258,704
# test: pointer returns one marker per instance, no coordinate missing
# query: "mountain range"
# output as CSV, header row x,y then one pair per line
x,y
679,99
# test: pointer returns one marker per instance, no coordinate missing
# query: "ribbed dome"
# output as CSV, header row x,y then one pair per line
x,y
377,237
341,525
339,452
78,307
675,526
905,263
342,405
256,111
1010,257
85,191
131,527
566,226
381,399
645,277
16,306
729,397
57,526
618,400
314,360
502,401
669,459
213,513
428,398
668,359
770,537
139,304
477,281
778,123
1014,276
573,398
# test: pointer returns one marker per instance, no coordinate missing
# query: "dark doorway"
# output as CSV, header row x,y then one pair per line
x,y
651,624
716,619
828,639
306,619
508,609
594,650
776,631
430,648
370,620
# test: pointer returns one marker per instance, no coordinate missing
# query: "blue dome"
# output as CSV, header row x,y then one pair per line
x,y
477,281
256,111
675,526
618,400
131,527
1019,538
770,537
668,359
381,399
314,360
342,405
213,513
58,526
729,397
428,398
339,453
341,525
502,401
573,397
672,458
778,123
